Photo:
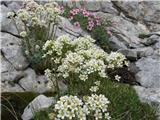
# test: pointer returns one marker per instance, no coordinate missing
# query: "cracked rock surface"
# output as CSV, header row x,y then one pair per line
x,y
132,19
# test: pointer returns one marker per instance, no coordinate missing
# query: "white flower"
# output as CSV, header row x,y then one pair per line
x,y
48,74
37,47
83,77
27,52
126,63
97,83
86,110
23,34
57,60
35,21
61,114
23,14
107,116
50,84
10,14
65,75
94,88
48,44
117,77
98,115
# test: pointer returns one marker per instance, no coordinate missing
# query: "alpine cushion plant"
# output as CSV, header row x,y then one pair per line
x,y
39,23
93,24
79,60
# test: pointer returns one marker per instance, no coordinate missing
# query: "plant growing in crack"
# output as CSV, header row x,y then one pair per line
x,y
77,61
40,24
93,24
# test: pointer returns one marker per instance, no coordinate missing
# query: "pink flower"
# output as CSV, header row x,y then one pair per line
x,y
82,9
90,22
89,28
77,24
109,32
86,13
98,22
73,12
78,10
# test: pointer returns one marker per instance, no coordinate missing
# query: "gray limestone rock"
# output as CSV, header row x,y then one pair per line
x,y
39,103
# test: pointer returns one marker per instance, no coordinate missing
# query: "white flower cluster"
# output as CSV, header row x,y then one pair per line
x,y
78,56
23,15
95,88
81,57
48,73
71,107
83,43
10,14
39,22
38,15
51,80
55,47
115,60
70,64
98,105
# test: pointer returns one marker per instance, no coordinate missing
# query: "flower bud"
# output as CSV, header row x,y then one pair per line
x,y
23,34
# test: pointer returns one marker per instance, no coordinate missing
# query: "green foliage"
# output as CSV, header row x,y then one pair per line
x,y
41,115
125,104
99,33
